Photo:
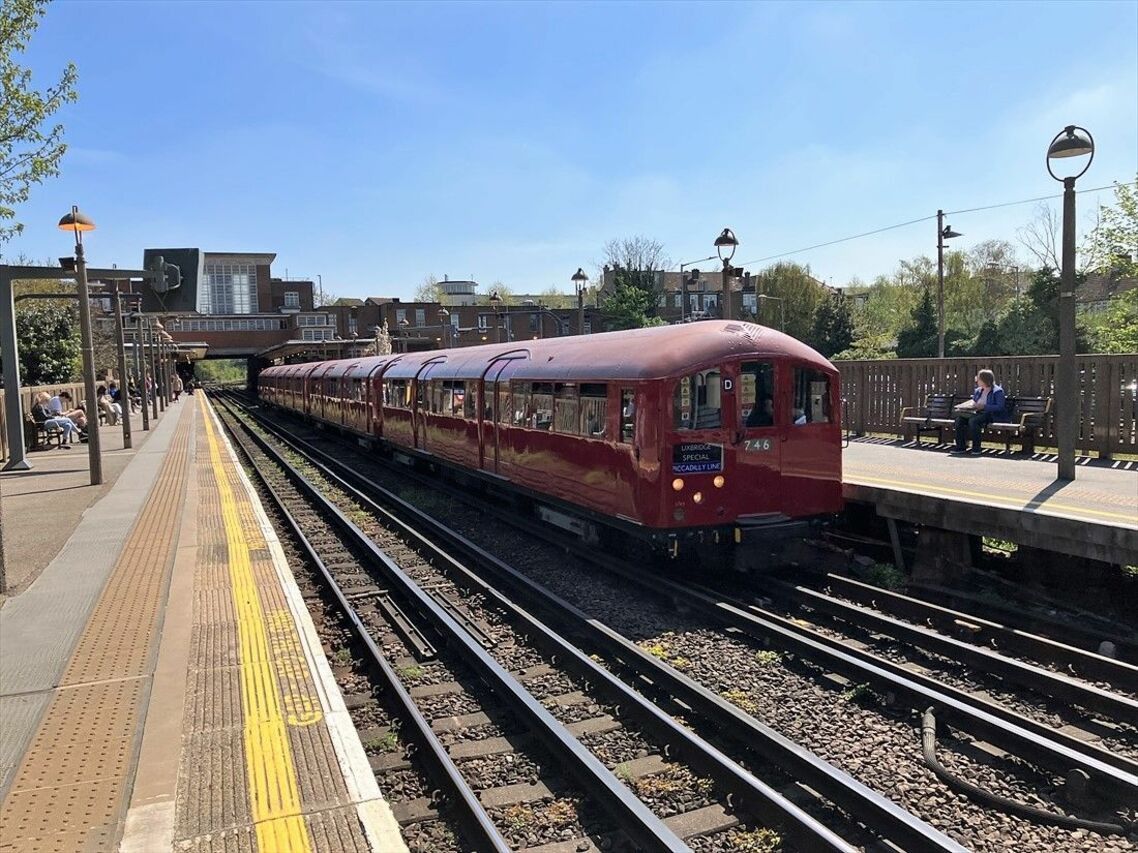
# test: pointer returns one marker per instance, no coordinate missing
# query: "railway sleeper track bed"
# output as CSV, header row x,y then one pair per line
x,y
669,802
874,743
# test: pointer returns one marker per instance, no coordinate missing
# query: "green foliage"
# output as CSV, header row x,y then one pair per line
x,y
1112,245
632,303
886,576
220,370
1114,330
47,333
29,151
832,330
919,338
801,295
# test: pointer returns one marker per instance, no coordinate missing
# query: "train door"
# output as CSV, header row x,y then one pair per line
x,y
760,433
811,446
420,406
494,413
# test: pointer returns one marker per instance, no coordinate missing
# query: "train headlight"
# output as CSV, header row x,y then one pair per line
x,y
678,484
697,497
719,481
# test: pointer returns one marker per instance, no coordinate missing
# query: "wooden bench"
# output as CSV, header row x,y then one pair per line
x,y
935,414
39,436
1023,418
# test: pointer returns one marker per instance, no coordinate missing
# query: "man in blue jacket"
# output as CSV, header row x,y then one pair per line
x,y
988,401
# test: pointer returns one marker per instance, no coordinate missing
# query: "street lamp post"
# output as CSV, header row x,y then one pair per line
x,y
444,319
495,301
684,283
943,232
1072,141
77,223
152,346
782,308
141,371
726,242
579,278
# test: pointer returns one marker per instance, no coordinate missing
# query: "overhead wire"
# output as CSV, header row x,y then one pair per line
x,y
928,218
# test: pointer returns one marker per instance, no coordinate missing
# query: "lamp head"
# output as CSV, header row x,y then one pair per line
x,y
579,278
948,233
444,314
495,299
725,244
76,221
1071,141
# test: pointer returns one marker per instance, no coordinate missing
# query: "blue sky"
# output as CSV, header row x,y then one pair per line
x,y
375,144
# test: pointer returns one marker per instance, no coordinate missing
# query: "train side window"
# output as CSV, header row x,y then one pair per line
x,y
505,415
566,408
470,401
421,395
457,392
696,401
811,397
756,394
521,403
627,415
541,403
594,409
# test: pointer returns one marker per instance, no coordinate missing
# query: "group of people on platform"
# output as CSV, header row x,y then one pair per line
x,y
60,414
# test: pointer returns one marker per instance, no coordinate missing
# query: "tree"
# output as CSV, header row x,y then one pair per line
x,y
636,253
29,152
629,305
505,295
429,291
554,298
48,336
800,292
1040,236
1115,330
1112,245
833,330
919,338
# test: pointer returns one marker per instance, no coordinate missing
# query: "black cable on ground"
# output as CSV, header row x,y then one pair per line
x,y
928,747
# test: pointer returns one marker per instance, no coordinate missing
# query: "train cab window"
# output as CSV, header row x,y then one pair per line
x,y
695,403
457,392
756,394
627,415
566,408
811,397
594,409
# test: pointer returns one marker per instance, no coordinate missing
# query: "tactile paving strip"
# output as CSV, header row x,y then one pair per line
x,y
69,792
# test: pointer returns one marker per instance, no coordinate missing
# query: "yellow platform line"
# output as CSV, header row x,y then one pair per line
x,y
988,497
274,795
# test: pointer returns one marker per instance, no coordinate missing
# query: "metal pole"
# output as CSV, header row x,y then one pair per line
x,y
142,373
1066,379
13,416
124,383
940,284
93,448
726,293
683,294
153,369
580,310
160,371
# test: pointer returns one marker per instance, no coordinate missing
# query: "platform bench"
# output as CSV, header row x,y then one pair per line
x,y
1023,419
39,436
935,414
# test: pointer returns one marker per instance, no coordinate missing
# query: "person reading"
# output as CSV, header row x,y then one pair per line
x,y
988,400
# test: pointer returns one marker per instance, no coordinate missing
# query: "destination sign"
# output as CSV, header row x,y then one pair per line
x,y
697,458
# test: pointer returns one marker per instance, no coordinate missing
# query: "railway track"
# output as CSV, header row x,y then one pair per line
x,y
666,787
1000,734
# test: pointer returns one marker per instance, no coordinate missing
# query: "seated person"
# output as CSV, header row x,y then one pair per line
x,y
988,401
77,414
42,414
799,416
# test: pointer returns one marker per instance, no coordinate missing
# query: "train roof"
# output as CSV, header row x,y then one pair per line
x,y
633,354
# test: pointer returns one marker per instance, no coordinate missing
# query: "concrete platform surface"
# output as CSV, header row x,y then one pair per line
x,y
196,710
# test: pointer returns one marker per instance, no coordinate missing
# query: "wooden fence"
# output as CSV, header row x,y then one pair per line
x,y
877,391
27,395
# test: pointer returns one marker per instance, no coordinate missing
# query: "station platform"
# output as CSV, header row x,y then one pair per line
x,y
162,686
1001,495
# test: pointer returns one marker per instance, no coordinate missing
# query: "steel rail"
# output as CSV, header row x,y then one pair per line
x,y
631,814
880,813
981,630
1056,685
468,809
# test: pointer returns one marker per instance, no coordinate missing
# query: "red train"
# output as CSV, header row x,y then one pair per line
x,y
709,433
